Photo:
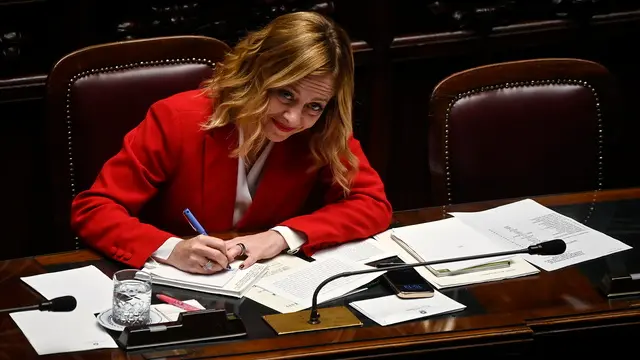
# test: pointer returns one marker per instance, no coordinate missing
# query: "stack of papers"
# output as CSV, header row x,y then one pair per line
x,y
234,282
517,268
446,239
391,309
513,226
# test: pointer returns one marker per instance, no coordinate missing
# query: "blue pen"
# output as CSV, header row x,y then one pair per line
x,y
195,224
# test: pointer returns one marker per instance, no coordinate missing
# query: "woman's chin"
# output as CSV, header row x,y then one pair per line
x,y
276,136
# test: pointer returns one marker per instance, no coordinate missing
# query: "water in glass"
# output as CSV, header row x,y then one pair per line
x,y
131,301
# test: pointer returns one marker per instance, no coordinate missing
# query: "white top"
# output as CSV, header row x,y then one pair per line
x,y
246,187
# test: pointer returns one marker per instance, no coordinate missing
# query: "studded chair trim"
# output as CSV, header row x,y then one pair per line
x,y
532,83
110,69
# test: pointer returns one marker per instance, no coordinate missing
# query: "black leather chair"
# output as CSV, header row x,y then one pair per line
x,y
520,129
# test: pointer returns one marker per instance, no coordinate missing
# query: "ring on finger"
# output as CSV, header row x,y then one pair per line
x,y
243,249
208,266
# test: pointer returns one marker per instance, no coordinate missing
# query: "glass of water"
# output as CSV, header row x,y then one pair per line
x,y
131,297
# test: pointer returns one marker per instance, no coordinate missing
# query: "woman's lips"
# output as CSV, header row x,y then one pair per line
x,y
281,127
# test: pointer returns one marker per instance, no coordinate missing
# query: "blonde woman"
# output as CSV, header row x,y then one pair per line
x,y
266,146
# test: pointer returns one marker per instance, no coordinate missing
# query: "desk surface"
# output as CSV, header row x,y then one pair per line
x,y
505,315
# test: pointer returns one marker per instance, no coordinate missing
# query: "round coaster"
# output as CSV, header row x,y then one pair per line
x,y
106,320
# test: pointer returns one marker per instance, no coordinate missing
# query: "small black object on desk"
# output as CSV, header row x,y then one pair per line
x,y
191,326
59,304
622,277
621,285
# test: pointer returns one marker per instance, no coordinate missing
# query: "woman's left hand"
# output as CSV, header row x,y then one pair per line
x,y
264,245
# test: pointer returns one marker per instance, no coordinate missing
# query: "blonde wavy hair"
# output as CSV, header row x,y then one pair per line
x,y
288,49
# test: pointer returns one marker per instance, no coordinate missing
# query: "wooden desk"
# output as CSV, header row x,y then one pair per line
x,y
521,316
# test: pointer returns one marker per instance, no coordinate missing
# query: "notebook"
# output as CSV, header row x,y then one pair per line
x,y
235,282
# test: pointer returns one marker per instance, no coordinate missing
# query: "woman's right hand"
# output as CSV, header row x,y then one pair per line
x,y
192,255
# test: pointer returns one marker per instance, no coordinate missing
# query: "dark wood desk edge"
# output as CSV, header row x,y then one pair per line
x,y
403,344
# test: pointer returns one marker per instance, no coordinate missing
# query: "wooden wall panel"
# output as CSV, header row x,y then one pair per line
x,y
403,49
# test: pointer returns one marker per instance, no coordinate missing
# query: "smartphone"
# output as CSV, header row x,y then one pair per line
x,y
408,284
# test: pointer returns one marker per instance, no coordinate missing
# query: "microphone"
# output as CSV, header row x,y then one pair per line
x,y
551,247
59,304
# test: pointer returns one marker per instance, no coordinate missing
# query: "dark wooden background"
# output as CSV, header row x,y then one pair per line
x,y
403,49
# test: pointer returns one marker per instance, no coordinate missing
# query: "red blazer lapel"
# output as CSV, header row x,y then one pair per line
x,y
284,173
220,179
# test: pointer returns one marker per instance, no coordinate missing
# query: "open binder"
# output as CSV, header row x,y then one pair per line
x,y
451,238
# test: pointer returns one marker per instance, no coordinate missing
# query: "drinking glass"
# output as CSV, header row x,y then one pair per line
x,y
131,297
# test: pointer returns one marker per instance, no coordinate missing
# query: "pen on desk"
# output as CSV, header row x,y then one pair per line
x,y
176,303
195,224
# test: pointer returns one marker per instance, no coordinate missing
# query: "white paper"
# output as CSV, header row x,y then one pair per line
x,y
447,239
363,251
92,289
235,282
519,267
171,312
298,284
278,303
60,332
526,222
391,309
219,279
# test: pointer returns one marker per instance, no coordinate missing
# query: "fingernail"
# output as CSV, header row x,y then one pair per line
x,y
242,266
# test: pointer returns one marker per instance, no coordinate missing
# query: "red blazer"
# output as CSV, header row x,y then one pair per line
x,y
167,163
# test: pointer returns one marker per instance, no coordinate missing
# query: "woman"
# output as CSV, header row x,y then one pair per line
x,y
271,131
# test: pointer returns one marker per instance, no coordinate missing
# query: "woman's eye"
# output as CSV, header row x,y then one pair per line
x,y
286,95
315,107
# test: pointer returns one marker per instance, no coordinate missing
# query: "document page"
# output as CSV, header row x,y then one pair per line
x,y
92,289
526,222
298,284
363,251
388,310
275,266
518,268
446,239
61,332
77,330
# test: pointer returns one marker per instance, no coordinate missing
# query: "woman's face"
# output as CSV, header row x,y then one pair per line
x,y
297,107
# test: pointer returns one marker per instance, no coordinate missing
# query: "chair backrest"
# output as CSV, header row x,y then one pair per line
x,y
519,129
97,94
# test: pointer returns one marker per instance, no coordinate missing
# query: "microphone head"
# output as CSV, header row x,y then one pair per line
x,y
551,247
63,303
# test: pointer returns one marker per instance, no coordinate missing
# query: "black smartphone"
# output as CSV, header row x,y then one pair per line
x,y
408,283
